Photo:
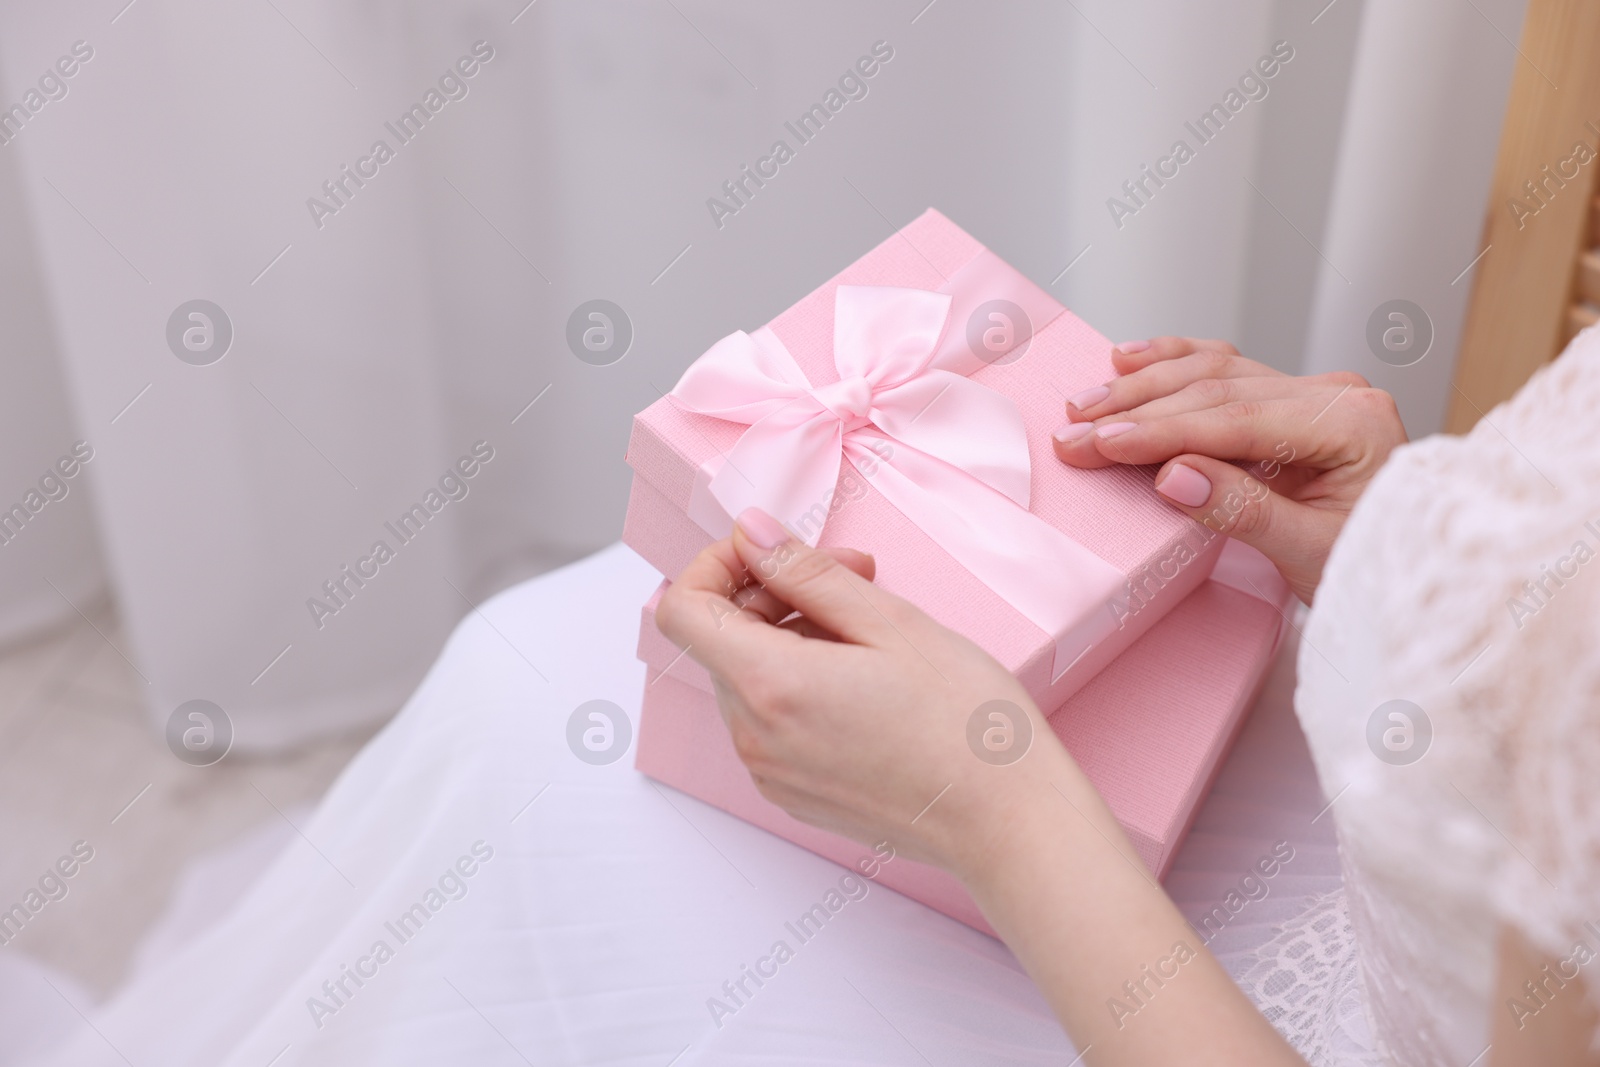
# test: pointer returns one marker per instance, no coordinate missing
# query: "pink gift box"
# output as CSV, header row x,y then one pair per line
x,y
1156,555
1150,730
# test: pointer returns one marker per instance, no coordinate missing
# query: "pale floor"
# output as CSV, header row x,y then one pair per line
x,y
81,761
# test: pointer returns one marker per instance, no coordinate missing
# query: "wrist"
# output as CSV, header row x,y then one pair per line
x,y
1021,814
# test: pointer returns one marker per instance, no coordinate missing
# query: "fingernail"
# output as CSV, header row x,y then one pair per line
x,y
1112,429
1089,397
762,528
1073,431
1130,348
1185,485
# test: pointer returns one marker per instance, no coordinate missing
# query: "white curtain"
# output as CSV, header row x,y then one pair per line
x,y
423,324
49,563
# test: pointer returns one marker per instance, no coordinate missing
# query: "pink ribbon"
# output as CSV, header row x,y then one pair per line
x,y
949,453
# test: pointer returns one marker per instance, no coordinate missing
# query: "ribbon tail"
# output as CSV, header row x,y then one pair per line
x,y
936,412
1051,580
1244,568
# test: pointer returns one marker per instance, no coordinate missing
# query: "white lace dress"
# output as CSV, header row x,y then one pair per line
x,y
1467,584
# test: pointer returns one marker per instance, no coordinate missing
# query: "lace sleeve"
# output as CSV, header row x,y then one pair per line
x,y
1548,884
1459,587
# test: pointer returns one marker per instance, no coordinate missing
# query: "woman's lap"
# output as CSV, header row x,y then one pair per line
x,y
471,891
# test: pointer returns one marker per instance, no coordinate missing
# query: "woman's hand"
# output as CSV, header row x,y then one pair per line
x,y
857,716
854,717
1309,445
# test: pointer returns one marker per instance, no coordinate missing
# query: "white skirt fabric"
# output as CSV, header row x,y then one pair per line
x,y
470,891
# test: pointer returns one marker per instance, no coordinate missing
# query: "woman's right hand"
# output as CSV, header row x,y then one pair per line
x,y
1308,446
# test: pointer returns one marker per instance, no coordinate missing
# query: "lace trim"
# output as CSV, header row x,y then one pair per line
x,y
1307,982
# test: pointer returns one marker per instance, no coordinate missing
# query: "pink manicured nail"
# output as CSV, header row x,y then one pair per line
x,y
1073,431
1089,397
1112,429
1131,348
1185,485
762,528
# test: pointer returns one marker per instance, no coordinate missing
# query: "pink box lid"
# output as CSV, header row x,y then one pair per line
x,y
1115,512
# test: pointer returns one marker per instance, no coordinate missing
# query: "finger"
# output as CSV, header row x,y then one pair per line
x,y
1074,444
1235,502
808,629
766,605
1160,379
813,582
1215,392
860,562
1254,431
1130,356
1074,447
699,614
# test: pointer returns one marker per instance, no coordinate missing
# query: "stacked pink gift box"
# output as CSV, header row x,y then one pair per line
x,y
905,408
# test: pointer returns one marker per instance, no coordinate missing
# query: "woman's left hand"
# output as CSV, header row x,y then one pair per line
x,y
854,717
1201,410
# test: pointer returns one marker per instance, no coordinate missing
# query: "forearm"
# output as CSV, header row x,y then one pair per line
x,y
1130,980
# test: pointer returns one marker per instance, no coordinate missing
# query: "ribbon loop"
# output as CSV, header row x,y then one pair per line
x,y
884,333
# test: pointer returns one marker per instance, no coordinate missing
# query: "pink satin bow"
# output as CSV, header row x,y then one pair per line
x,y
948,453
889,391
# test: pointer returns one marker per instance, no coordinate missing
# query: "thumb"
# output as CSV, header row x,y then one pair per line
x,y
811,581
1237,502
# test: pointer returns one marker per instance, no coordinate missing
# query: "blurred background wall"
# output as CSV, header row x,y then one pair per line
x,y
376,345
